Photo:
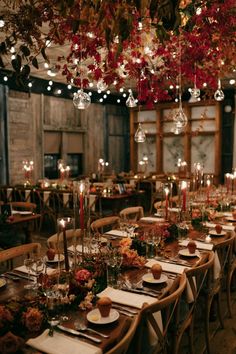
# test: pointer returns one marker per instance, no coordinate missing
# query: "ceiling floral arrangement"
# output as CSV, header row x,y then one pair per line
x,y
146,45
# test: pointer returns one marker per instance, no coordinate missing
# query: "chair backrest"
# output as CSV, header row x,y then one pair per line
x,y
224,251
123,345
166,307
132,213
22,250
103,224
27,206
56,242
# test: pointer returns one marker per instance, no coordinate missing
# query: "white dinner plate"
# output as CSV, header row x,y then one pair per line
x,y
214,233
2,282
56,258
94,316
231,219
185,252
148,278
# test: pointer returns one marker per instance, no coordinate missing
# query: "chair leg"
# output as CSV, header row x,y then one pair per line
x,y
207,322
190,337
228,293
219,309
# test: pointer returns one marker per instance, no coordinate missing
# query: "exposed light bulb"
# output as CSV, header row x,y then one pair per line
x,y
140,136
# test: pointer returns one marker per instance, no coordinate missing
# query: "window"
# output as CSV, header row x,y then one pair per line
x,y
50,165
75,163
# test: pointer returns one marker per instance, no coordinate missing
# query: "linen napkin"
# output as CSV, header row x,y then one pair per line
x,y
126,298
79,249
23,269
167,267
225,227
200,245
61,344
117,233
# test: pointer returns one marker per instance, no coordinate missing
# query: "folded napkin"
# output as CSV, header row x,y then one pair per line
x,y
152,219
126,298
61,344
174,210
167,267
79,249
225,227
117,233
200,245
23,269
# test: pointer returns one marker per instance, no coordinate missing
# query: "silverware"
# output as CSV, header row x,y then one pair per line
x,y
126,313
8,276
124,308
141,292
81,326
77,333
21,276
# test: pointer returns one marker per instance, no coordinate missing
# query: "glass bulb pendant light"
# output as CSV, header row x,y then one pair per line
x,y
130,102
219,94
101,85
81,100
195,92
140,136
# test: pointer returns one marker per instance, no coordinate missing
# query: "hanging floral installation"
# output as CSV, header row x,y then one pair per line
x,y
124,43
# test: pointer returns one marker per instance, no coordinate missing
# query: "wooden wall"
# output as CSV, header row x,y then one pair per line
x,y
32,119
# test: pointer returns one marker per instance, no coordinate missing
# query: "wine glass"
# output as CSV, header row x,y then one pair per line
x,y
28,262
62,289
37,267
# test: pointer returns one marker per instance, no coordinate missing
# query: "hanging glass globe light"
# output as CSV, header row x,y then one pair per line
x,y
130,102
101,85
180,117
140,136
177,129
219,94
81,100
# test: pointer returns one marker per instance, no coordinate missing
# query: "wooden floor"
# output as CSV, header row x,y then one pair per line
x,y
223,341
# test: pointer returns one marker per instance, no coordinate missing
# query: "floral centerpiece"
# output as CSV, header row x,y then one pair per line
x,y
131,258
20,319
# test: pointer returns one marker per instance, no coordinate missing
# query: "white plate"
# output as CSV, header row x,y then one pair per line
x,y
148,278
231,219
95,317
185,252
56,258
2,282
214,233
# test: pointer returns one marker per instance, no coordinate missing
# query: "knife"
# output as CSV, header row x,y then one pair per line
x,y
22,276
142,292
124,308
77,333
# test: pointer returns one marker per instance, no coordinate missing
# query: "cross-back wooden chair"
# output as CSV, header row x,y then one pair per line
x,y
132,213
56,241
223,251
197,278
104,224
123,344
13,253
231,268
24,206
167,308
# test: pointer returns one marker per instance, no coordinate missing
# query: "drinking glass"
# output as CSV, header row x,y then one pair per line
x,y
62,289
38,266
28,262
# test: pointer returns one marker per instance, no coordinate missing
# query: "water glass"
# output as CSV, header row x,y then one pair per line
x,y
28,263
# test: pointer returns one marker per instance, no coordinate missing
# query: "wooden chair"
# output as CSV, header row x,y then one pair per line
x,y
24,206
167,308
231,268
14,253
123,345
132,213
71,237
105,224
197,277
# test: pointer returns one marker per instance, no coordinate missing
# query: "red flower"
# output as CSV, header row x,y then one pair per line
x,y
82,275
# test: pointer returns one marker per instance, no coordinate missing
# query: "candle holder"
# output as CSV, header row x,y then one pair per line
x,y
197,176
28,168
64,225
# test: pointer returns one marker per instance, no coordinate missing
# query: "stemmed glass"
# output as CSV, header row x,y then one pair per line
x,y
156,241
28,263
37,267
63,287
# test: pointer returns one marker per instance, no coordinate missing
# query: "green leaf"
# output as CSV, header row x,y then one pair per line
x,y
25,71
16,63
35,63
25,50
45,57
2,65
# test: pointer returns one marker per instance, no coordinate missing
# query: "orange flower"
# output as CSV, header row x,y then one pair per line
x,y
33,319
